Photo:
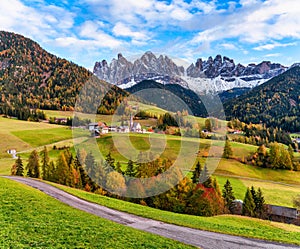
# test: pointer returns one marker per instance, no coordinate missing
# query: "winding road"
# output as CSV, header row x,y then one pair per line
x,y
195,237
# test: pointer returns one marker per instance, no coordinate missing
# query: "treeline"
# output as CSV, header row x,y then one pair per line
x,y
67,170
198,195
277,157
253,204
22,113
258,134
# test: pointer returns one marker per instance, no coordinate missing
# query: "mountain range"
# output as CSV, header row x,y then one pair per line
x,y
205,76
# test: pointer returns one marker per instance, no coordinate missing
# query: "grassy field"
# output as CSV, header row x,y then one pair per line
x,y
235,168
44,136
26,136
10,141
31,219
236,225
274,193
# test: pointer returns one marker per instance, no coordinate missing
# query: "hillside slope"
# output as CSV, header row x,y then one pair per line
x,y
275,103
171,97
32,77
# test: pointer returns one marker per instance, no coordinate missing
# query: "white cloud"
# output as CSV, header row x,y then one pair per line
x,y
120,29
269,20
228,46
273,45
273,55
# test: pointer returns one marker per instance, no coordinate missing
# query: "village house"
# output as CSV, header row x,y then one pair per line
x,y
136,127
123,129
93,126
13,152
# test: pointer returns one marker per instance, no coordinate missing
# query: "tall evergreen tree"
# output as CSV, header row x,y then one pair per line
x,y
197,173
45,163
227,150
228,196
91,166
249,204
259,204
109,164
253,192
19,167
118,168
52,172
33,166
205,178
130,170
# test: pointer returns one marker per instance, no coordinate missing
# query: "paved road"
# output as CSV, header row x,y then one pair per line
x,y
198,238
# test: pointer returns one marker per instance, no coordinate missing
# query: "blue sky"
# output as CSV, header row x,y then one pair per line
x,y
86,31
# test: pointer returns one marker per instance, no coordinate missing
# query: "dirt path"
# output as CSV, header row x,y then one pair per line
x,y
195,237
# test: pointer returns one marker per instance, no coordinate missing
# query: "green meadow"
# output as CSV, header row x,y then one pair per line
x,y
31,219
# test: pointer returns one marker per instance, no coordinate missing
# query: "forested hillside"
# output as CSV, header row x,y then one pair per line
x,y
275,103
164,96
33,78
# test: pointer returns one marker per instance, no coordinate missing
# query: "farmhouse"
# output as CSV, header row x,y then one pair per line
x,y
93,126
13,152
123,129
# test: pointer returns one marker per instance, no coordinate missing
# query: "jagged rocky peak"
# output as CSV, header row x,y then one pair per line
x,y
226,67
121,71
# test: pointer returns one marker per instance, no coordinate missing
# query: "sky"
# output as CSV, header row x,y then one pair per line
x,y
86,31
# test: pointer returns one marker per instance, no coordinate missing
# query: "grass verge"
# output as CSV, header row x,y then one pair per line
x,y
228,224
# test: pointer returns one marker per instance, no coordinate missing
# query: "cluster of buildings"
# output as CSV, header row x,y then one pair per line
x,y
101,128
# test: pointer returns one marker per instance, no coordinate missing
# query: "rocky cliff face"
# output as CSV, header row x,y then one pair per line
x,y
205,76
226,68
121,71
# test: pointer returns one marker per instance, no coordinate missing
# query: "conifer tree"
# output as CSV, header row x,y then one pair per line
x,y
228,196
248,204
118,168
91,166
253,192
130,170
13,170
61,169
205,178
197,173
227,150
19,167
259,204
52,172
33,166
109,164
45,163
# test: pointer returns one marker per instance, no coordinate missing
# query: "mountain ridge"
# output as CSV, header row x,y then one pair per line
x,y
205,76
